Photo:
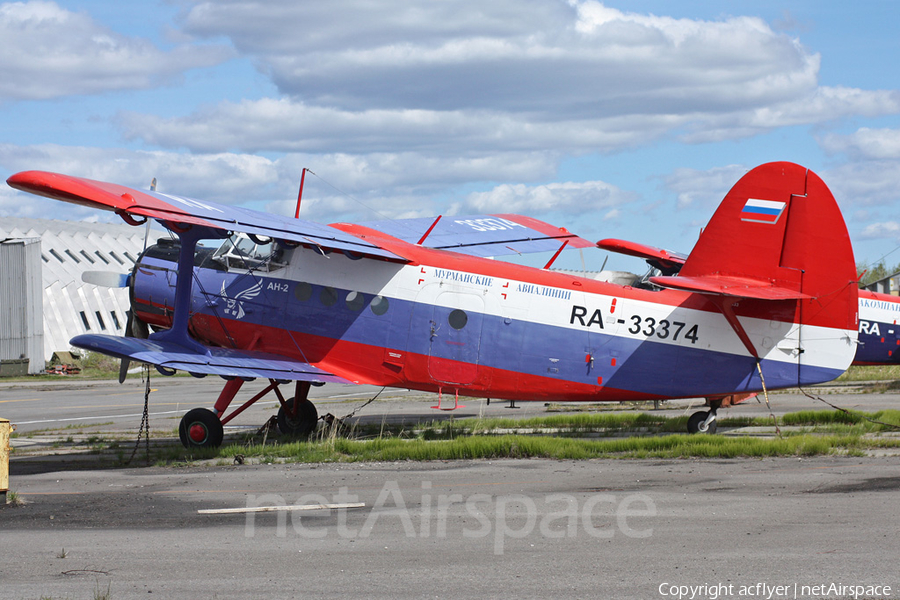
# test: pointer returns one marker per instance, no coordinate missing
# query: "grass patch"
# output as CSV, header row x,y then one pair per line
x,y
870,373
622,423
562,424
819,433
87,425
517,446
835,421
566,437
100,593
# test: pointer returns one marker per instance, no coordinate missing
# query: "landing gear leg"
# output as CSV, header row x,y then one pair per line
x,y
298,416
202,428
704,421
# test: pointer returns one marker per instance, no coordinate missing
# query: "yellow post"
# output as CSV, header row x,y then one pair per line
x,y
4,459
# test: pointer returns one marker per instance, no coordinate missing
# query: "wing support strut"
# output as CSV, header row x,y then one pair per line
x,y
300,193
230,391
553,259
430,229
178,333
726,305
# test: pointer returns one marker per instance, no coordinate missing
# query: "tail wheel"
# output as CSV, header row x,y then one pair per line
x,y
200,428
304,420
697,423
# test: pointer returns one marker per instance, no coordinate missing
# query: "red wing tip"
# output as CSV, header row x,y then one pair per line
x,y
23,178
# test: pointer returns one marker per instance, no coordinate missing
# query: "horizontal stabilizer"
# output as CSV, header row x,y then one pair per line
x,y
730,286
481,235
216,361
664,260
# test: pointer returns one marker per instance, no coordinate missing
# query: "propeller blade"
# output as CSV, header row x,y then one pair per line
x,y
123,369
110,279
125,362
139,329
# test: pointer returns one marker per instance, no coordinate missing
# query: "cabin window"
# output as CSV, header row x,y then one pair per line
x,y
328,296
379,305
302,291
256,253
355,301
457,319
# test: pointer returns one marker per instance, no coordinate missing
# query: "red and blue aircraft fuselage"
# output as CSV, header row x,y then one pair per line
x,y
478,327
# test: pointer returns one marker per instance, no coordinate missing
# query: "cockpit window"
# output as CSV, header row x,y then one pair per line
x,y
241,251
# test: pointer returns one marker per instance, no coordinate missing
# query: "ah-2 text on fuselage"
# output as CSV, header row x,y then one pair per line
x,y
766,298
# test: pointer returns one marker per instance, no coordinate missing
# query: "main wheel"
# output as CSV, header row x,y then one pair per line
x,y
200,428
302,423
696,423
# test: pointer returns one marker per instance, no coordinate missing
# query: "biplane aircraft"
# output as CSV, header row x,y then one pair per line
x,y
766,299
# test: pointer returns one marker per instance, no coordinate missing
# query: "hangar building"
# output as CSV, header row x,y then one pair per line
x,y
43,301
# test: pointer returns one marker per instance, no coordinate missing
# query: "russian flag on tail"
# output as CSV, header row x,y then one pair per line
x,y
762,211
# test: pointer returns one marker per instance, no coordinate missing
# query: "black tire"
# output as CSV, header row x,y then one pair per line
x,y
200,428
304,421
695,422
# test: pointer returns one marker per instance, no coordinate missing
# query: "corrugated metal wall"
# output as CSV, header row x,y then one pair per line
x,y
21,306
70,306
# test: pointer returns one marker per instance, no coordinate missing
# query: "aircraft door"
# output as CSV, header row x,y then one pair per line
x,y
455,337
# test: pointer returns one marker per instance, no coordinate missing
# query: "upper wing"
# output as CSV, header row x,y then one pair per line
x,y
169,209
481,235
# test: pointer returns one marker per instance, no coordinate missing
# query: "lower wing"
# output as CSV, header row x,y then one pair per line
x,y
216,361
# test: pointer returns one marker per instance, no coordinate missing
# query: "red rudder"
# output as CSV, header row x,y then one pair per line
x,y
781,226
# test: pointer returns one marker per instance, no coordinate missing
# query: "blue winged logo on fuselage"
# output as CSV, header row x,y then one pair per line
x,y
234,307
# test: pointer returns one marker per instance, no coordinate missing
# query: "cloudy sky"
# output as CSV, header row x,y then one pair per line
x,y
615,119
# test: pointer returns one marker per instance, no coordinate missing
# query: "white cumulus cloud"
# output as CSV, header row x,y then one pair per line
x,y
474,77
865,143
570,197
885,229
697,189
49,52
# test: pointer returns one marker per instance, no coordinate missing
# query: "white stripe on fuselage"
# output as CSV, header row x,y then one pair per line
x,y
636,319
880,311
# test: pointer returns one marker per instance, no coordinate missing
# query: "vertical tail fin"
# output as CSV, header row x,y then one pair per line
x,y
777,249
778,235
